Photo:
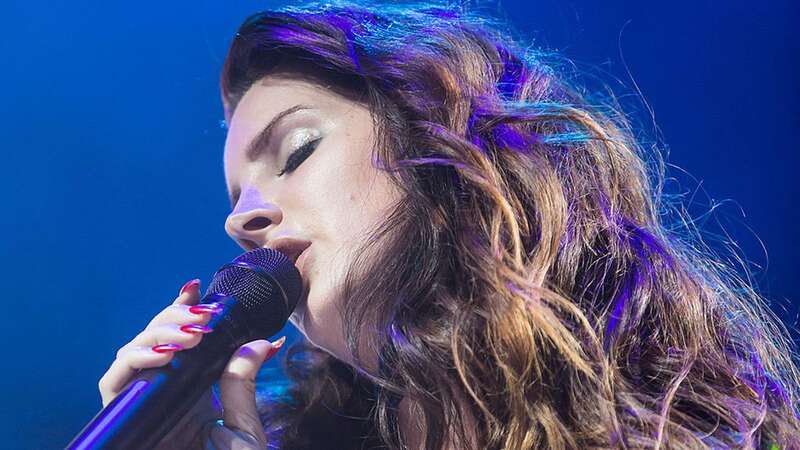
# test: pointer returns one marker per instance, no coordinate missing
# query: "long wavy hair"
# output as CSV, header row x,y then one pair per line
x,y
534,288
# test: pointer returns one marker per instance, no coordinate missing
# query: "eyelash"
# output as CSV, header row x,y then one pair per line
x,y
299,155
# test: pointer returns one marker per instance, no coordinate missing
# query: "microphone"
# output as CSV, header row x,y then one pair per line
x,y
258,291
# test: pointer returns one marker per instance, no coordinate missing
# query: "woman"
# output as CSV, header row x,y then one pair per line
x,y
485,261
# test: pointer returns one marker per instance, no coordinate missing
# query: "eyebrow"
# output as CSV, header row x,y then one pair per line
x,y
256,145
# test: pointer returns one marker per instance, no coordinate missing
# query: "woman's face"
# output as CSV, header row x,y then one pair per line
x,y
332,197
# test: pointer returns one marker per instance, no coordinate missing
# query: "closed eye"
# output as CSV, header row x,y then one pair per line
x,y
299,155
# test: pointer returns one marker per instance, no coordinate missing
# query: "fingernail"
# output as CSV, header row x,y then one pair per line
x,y
164,348
275,347
205,308
189,284
194,328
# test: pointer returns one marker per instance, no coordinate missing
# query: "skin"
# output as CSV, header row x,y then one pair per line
x,y
332,198
236,404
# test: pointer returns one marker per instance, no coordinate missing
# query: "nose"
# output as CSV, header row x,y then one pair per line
x,y
249,228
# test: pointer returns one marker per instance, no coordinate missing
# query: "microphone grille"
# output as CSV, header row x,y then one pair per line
x,y
266,284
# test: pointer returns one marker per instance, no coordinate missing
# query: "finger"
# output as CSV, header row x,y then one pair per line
x,y
189,293
187,335
183,308
182,314
237,387
161,333
124,368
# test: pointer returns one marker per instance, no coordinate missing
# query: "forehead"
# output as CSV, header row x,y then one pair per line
x,y
271,95
274,93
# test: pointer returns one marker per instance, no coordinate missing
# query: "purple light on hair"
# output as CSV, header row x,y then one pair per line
x,y
777,389
513,74
425,161
347,28
506,136
287,33
642,236
619,308
471,131
397,336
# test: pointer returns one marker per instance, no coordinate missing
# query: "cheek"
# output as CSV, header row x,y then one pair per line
x,y
340,188
341,200
359,207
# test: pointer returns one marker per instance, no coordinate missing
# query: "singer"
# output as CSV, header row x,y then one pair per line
x,y
486,257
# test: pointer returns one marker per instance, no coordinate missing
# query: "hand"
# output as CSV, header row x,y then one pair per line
x,y
176,328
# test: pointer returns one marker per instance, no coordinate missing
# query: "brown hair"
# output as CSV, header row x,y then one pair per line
x,y
526,291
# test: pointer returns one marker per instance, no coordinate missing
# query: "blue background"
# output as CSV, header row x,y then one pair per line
x,y
112,172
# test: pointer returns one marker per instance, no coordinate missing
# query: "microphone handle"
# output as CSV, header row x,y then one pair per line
x,y
157,398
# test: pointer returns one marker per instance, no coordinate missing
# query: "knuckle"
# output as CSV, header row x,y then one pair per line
x,y
188,340
179,308
139,355
193,342
164,315
236,378
167,357
102,383
122,350
160,357
128,346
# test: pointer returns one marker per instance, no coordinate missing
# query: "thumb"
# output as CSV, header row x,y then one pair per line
x,y
237,387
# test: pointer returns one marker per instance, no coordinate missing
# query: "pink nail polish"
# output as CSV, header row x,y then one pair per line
x,y
164,348
205,308
189,285
194,328
275,347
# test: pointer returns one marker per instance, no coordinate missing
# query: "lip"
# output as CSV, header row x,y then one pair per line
x,y
290,247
